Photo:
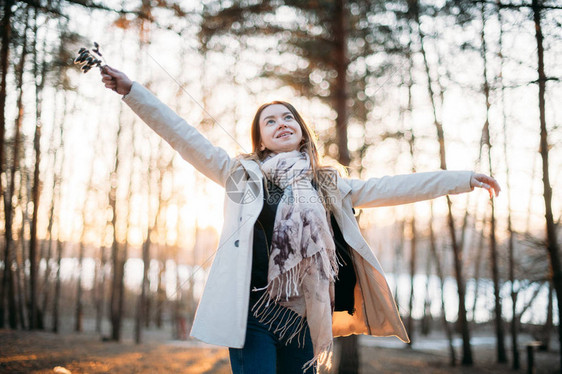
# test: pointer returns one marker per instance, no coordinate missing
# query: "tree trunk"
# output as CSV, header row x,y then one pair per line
x,y
161,292
55,151
179,320
78,310
121,281
551,239
117,266
349,352
21,277
413,240
511,240
549,323
457,253
100,287
144,302
57,199
439,270
40,73
349,355
340,89
410,323
4,65
500,335
79,305
9,279
427,318
125,248
20,283
398,255
500,341
56,301
141,303
478,265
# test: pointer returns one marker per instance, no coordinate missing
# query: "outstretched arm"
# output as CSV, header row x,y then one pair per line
x,y
214,162
409,188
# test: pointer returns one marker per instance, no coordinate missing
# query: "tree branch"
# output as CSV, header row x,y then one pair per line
x,y
37,4
515,6
44,8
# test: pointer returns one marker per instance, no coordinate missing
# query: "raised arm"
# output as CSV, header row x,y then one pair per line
x,y
214,162
409,188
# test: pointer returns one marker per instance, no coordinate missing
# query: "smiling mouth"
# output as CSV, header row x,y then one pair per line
x,y
284,135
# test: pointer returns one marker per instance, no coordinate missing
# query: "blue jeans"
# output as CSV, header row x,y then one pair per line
x,y
265,352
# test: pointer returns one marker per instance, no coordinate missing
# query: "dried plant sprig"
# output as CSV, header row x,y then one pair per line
x,y
87,60
96,50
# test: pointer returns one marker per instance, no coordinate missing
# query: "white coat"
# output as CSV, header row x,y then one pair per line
x,y
222,312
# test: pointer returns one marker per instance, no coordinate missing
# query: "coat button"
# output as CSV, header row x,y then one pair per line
x,y
237,243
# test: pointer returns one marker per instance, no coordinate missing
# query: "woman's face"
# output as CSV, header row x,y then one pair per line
x,y
280,131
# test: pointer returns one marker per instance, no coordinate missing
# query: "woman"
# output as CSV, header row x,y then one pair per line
x,y
292,269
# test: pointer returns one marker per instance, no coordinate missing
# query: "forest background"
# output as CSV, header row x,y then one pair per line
x,y
103,222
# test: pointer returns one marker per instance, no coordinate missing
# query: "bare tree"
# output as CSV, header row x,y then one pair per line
x,y
79,306
99,290
116,257
56,301
511,239
8,279
457,253
551,238
439,270
57,193
4,65
412,222
485,140
40,72
478,264
163,251
349,349
142,311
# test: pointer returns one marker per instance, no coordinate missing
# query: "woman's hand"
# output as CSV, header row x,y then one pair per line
x,y
115,80
486,182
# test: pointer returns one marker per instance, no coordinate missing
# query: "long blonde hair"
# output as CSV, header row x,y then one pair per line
x,y
321,177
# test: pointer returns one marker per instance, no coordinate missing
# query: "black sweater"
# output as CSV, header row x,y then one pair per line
x,y
263,232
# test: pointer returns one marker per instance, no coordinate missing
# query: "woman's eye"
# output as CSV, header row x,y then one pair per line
x,y
270,122
288,117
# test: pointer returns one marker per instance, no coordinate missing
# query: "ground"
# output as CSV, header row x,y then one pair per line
x,y
42,352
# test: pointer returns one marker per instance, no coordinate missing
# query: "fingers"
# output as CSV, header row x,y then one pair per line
x,y
109,81
491,185
108,75
108,71
115,80
488,183
496,186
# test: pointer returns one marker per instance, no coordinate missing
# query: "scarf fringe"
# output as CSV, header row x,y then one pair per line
x,y
323,358
290,281
268,313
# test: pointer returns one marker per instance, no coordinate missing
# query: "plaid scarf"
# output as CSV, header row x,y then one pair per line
x,y
302,263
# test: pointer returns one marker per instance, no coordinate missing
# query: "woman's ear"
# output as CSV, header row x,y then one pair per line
x,y
262,147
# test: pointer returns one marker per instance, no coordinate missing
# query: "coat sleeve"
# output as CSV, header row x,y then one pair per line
x,y
214,162
408,188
